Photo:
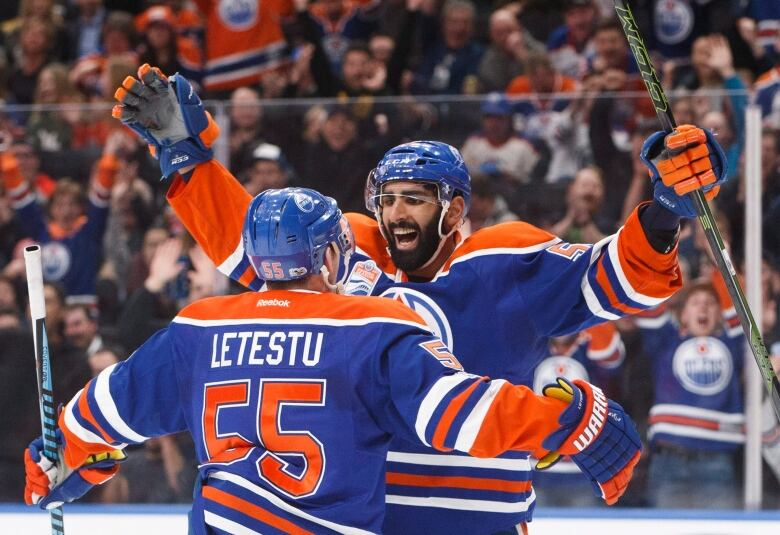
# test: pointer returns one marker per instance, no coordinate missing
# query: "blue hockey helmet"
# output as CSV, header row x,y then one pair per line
x,y
431,162
287,232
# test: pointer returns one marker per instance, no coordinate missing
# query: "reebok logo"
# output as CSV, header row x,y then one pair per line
x,y
595,422
273,303
179,159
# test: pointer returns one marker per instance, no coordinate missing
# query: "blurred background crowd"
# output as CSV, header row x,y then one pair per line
x,y
542,97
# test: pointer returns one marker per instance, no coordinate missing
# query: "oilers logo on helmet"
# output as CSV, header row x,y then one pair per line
x,y
428,310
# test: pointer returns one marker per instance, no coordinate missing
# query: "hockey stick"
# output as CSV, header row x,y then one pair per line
x,y
32,262
722,259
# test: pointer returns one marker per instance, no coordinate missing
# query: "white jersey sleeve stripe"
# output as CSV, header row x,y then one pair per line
x,y
230,263
590,297
108,407
473,423
463,504
433,398
226,525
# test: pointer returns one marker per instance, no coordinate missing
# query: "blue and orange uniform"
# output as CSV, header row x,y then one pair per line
x,y
497,300
292,398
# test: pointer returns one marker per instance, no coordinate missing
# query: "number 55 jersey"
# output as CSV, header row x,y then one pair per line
x,y
495,303
292,398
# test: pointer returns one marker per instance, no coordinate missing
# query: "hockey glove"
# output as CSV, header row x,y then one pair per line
x,y
681,162
169,116
598,435
48,485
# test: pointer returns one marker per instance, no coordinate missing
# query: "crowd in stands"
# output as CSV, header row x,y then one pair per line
x,y
543,98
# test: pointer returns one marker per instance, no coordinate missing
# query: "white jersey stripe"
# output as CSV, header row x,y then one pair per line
x,y
297,321
473,423
632,294
433,398
281,504
432,459
108,407
695,432
230,263
463,505
229,526
652,323
590,297
498,251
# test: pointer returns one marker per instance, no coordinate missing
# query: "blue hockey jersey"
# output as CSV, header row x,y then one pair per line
x,y
503,292
291,398
697,382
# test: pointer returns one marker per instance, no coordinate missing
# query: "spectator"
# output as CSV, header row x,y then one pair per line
x,y
509,46
767,88
104,357
9,300
85,28
51,130
163,47
45,10
242,42
341,22
72,233
496,144
550,122
30,167
488,208
118,42
697,420
269,170
337,160
35,46
71,367
141,261
449,64
584,199
246,123
717,123
569,45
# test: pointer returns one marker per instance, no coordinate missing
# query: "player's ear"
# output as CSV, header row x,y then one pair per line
x,y
455,213
332,263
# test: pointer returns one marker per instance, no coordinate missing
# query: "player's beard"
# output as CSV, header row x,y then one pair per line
x,y
428,242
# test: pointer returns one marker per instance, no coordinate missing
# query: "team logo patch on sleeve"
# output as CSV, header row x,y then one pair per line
x,y
363,278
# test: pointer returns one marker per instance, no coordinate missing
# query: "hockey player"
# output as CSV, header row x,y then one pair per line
x,y
292,395
495,297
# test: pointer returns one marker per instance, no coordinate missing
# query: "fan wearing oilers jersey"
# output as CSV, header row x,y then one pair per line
x,y
495,298
696,422
292,395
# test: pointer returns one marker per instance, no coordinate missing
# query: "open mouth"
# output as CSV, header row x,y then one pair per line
x,y
405,238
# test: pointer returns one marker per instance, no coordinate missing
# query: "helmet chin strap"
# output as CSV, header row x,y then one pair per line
x,y
338,287
445,206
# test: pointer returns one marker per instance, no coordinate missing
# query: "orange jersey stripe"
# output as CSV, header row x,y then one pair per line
x,y
86,413
76,450
450,412
255,511
476,483
606,285
684,420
